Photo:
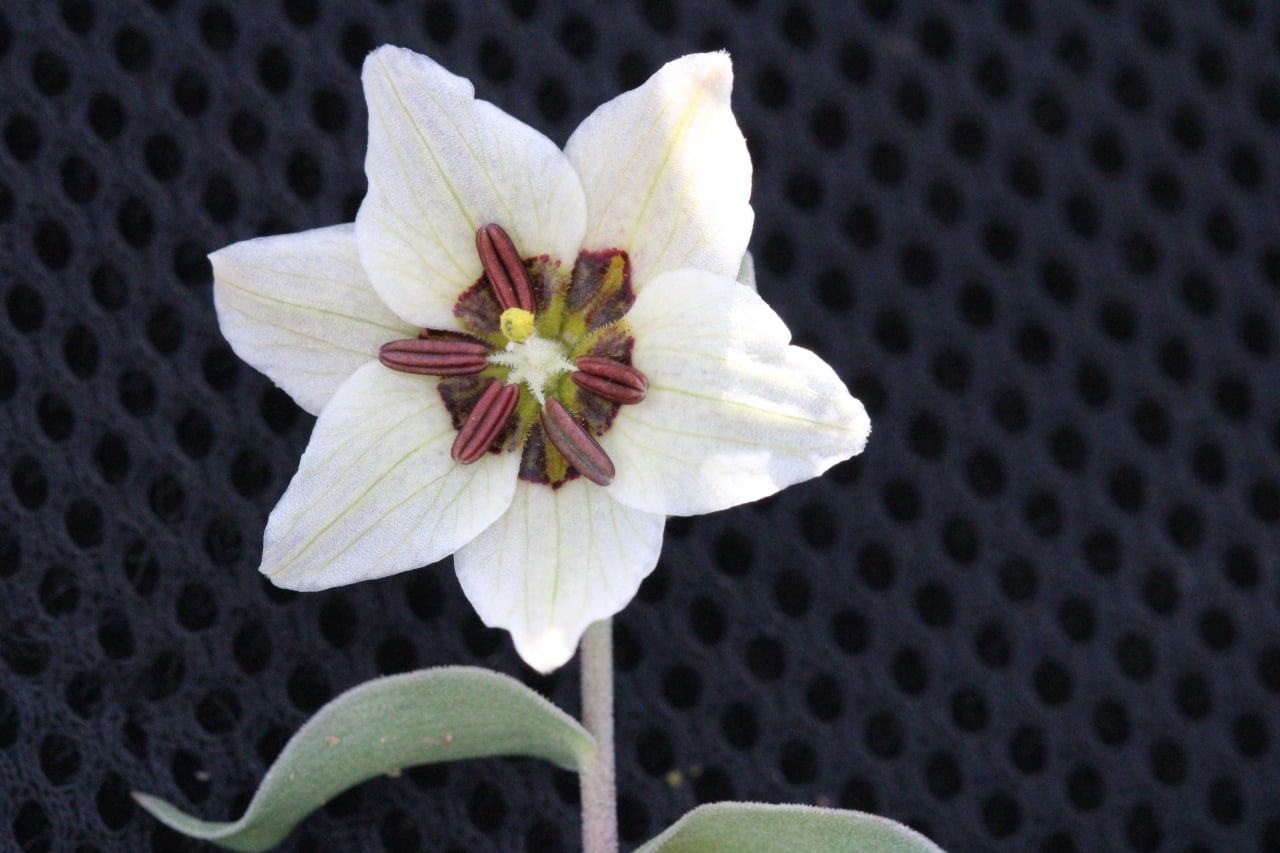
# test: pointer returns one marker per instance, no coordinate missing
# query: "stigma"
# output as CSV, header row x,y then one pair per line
x,y
517,324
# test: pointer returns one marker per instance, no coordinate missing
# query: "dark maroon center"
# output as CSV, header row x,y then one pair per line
x,y
578,316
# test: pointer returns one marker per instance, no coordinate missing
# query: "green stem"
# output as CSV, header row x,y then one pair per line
x,y
599,794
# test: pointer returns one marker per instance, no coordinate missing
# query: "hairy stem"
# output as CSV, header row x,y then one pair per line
x,y
599,794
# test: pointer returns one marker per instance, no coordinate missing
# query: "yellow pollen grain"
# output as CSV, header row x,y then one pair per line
x,y
517,324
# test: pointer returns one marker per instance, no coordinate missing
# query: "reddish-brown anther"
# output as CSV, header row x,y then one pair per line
x,y
504,268
613,380
434,357
486,420
576,444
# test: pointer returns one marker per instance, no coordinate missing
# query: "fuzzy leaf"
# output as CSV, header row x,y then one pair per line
x,y
760,828
424,717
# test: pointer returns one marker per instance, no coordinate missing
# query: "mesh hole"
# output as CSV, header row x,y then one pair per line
x,y
83,694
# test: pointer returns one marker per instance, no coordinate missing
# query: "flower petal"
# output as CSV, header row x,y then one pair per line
x,y
440,165
666,172
558,560
300,308
747,272
377,492
733,412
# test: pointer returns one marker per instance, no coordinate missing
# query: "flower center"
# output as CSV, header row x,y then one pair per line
x,y
534,362
543,363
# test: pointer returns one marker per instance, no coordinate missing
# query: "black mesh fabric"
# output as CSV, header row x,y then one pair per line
x,y
1038,239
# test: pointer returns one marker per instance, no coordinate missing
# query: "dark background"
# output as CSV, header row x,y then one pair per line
x,y
1038,239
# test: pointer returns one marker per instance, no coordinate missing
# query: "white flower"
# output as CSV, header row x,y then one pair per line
x,y
423,318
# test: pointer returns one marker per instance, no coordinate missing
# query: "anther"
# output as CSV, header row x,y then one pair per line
x,y
576,444
504,268
434,357
486,420
613,380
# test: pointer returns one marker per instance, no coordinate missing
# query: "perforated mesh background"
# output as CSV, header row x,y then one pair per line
x,y
1038,239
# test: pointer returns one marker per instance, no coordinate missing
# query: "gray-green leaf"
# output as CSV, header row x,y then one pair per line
x,y
443,714
760,828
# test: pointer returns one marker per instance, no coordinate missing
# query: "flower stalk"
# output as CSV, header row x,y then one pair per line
x,y
599,789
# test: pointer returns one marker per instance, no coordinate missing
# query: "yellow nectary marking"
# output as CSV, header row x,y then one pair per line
x,y
517,324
